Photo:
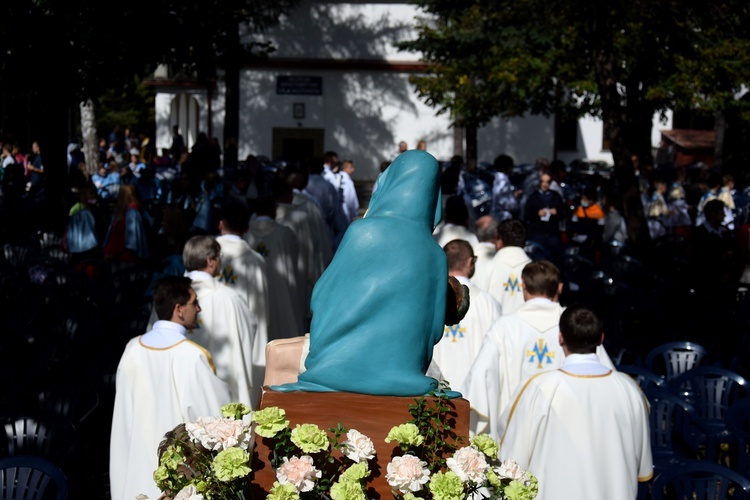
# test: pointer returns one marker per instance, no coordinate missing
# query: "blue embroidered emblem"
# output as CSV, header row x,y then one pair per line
x,y
227,276
262,249
512,285
454,332
540,352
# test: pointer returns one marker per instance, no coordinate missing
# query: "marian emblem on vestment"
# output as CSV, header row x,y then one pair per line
x,y
540,354
512,284
227,276
454,332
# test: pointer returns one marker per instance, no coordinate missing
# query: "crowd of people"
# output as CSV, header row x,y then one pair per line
x,y
253,242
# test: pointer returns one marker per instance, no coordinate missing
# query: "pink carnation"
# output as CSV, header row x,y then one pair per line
x,y
468,464
407,473
298,471
218,434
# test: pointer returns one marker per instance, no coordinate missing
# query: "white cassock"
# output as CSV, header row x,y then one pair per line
x,y
516,347
310,263
244,270
227,329
455,352
582,430
449,232
349,201
162,380
503,279
279,247
484,251
322,239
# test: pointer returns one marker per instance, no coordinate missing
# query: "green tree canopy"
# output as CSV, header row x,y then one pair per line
x,y
622,61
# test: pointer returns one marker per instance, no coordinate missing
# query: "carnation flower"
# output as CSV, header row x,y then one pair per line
x,y
235,410
357,447
283,492
347,490
511,470
217,434
299,471
269,421
485,444
469,464
188,493
405,434
446,486
407,473
517,490
310,438
171,458
231,463
355,472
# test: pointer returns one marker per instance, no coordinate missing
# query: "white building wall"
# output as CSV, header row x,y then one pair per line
x,y
365,113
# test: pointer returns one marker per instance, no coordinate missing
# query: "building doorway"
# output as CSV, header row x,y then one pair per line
x,y
297,144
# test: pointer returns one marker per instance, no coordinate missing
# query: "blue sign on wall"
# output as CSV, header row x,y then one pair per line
x,y
299,85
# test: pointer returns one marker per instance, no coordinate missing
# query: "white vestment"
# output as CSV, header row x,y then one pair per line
x,y
449,232
310,262
162,380
322,239
349,199
485,251
227,329
244,270
455,352
516,347
279,247
582,430
503,277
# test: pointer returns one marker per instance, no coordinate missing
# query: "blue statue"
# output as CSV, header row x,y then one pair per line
x,y
380,306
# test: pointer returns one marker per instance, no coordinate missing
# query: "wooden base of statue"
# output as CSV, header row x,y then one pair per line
x,y
373,416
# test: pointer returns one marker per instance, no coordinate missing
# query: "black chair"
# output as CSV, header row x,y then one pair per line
x,y
738,424
699,480
674,358
31,478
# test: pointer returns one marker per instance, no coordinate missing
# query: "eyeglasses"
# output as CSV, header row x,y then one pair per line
x,y
193,303
473,259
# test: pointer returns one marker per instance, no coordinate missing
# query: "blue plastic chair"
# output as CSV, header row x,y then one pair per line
x,y
674,358
738,425
670,418
31,478
712,390
699,480
644,377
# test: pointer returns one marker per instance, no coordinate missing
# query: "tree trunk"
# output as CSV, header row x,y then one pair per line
x,y
88,131
232,82
471,147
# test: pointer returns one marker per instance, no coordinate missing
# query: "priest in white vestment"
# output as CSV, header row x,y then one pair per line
x,y
455,352
503,279
485,250
278,245
516,347
244,270
162,380
456,225
225,327
583,429
349,198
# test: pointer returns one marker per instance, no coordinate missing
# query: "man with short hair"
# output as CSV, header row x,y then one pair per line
x,y
582,429
163,379
456,223
489,243
460,344
244,270
348,192
226,326
518,346
503,280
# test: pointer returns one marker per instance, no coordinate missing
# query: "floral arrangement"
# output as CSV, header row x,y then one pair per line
x,y
209,459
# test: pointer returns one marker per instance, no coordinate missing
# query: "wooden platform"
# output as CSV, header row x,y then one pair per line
x,y
373,416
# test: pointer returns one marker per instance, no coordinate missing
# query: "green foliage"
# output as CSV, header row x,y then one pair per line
x,y
622,60
435,420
